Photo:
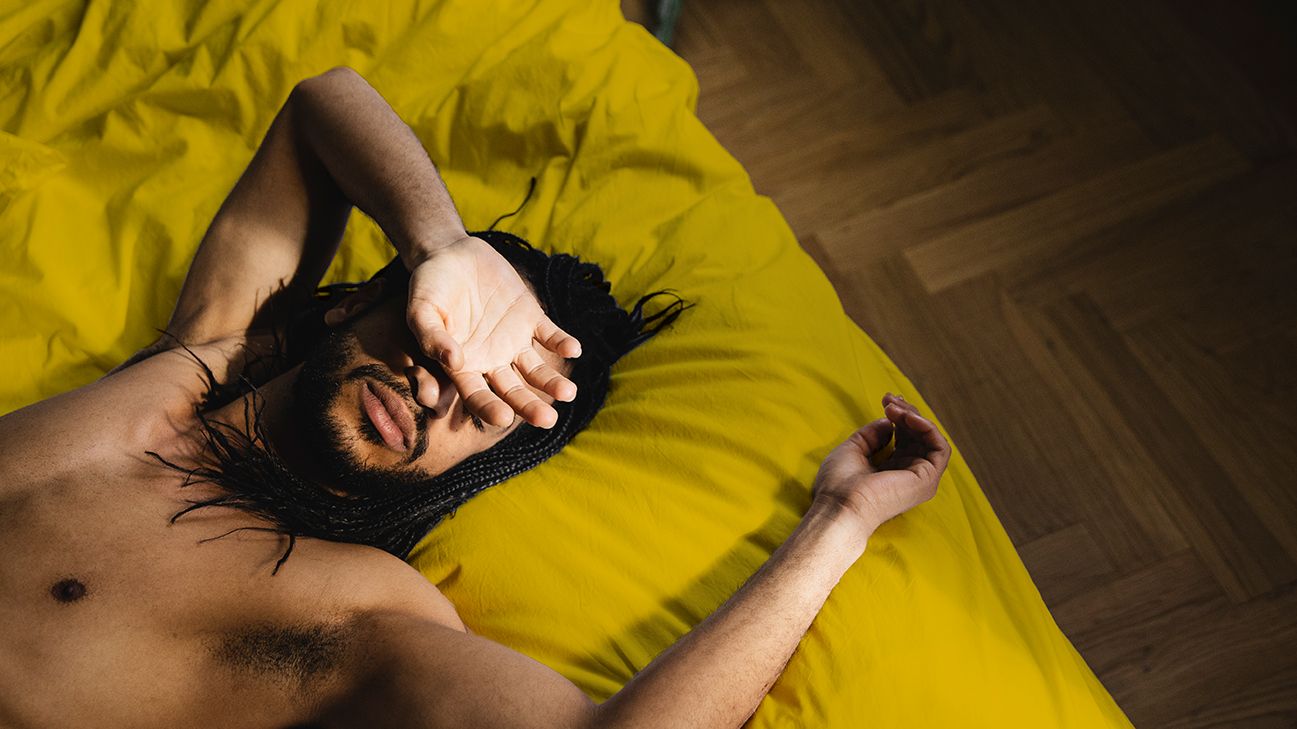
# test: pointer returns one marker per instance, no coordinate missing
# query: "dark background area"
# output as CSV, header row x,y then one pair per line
x,y
1074,226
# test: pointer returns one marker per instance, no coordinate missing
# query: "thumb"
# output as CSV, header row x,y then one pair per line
x,y
874,436
429,329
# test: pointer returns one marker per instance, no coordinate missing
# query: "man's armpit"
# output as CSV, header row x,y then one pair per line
x,y
161,344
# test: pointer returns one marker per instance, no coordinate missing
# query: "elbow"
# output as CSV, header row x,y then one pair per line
x,y
340,72
331,78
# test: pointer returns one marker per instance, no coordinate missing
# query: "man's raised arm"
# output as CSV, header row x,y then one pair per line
x,y
717,674
334,142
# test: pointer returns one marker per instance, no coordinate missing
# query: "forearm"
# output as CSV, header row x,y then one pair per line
x,y
717,674
334,143
376,161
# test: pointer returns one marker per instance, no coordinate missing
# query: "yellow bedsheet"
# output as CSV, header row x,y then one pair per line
x,y
125,124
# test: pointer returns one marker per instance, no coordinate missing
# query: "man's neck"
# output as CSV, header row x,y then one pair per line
x,y
271,403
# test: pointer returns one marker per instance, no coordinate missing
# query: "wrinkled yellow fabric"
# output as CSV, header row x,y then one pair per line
x,y
125,124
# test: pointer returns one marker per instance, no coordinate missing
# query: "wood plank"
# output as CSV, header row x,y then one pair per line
x,y
1268,702
1264,367
760,43
1027,53
1260,42
1027,405
1141,528
818,176
1240,551
1171,82
1066,563
1053,222
902,169
919,56
975,175
1249,435
858,129
1170,647
1194,257
1206,259
1135,597
822,37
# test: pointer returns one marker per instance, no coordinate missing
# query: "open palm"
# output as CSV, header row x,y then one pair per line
x,y
470,309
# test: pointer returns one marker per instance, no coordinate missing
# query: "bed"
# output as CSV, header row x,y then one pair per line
x,y
123,127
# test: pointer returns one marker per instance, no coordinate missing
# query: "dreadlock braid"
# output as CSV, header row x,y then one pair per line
x,y
575,296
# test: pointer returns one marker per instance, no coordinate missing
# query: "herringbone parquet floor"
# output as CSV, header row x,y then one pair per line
x,y
1073,223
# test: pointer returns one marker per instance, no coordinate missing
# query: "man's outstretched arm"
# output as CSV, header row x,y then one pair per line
x,y
713,677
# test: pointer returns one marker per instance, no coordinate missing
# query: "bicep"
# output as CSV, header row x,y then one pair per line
x,y
423,674
272,237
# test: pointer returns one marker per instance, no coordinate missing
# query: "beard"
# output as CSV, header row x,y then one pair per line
x,y
327,441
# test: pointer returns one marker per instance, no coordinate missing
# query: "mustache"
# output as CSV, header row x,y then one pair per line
x,y
402,389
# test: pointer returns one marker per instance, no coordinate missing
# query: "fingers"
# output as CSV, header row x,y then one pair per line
x,y
479,399
543,377
520,399
430,331
496,396
875,435
913,431
895,408
556,340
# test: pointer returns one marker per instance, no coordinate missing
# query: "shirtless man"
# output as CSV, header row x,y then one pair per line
x,y
113,616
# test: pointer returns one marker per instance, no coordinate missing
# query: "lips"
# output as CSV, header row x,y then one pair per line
x,y
389,415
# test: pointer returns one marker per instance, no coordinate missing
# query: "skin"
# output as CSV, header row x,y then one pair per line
x,y
144,645
452,430
112,616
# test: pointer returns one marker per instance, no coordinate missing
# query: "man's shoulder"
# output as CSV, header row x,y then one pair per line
x,y
223,356
141,407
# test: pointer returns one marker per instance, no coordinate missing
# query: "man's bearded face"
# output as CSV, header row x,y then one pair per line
x,y
373,412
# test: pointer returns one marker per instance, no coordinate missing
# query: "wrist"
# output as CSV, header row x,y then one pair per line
x,y
847,528
425,246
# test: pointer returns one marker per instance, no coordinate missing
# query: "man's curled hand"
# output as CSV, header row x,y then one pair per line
x,y
868,489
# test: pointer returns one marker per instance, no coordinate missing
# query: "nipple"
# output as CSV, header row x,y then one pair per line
x,y
68,591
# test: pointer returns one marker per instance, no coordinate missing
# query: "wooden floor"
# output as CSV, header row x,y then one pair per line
x,y
1074,225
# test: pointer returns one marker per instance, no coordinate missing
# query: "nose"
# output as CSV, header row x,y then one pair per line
x,y
434,394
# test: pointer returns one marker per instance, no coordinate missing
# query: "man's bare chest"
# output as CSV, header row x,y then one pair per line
x,y
107,607
85,511
110,610
112,614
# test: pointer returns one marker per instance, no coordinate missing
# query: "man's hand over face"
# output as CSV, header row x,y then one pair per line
x,y
869,490
470,310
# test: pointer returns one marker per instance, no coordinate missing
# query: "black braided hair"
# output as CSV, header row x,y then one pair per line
x,y
576,297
